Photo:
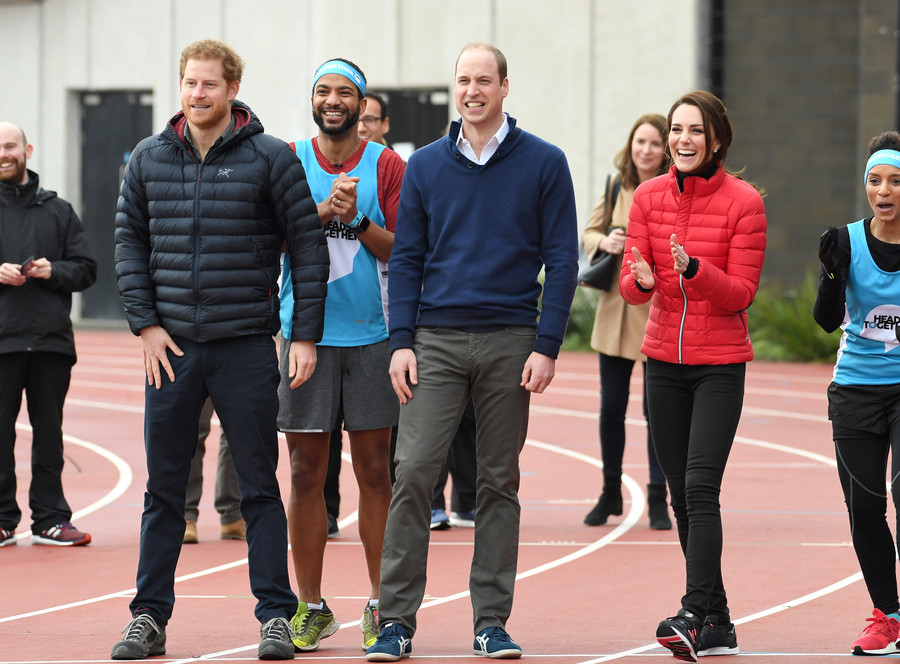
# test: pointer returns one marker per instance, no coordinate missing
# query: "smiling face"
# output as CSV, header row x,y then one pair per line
x,y
478,90
883,191
336,104
647,151
14,154
205,95
690,147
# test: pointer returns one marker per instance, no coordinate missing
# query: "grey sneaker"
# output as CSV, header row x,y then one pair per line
x,y
275,640
143,638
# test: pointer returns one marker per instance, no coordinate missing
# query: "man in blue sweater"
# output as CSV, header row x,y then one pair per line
x,y
481,212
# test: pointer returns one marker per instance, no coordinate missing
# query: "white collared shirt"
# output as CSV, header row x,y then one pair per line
x,y
466,148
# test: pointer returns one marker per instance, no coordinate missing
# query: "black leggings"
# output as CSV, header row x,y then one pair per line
x,y
862,465
615,379
694,413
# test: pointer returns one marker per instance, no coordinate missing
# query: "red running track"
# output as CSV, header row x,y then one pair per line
x,y
584,595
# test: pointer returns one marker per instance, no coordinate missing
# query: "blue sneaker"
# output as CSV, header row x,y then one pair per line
x,y
392,644
495,643
439,520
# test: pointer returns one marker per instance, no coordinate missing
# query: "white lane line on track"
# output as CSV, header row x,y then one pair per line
x,y
130,386
631,519
122,484
790,604
105,406
634,515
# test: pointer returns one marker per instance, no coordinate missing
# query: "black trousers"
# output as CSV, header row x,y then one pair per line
x,y
44,377
615,388
694,413
866,429
332,488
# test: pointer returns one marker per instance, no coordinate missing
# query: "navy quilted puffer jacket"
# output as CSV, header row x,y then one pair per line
x,y
198,245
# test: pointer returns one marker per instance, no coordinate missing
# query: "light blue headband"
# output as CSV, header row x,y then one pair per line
x,y
345,70
882,157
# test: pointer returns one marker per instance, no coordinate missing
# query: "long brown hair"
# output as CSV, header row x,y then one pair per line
x,y
624,162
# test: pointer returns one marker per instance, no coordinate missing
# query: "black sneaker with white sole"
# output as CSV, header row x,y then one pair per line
x,y
717,637
680,634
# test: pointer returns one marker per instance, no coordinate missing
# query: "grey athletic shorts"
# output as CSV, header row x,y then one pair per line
x,y
352,384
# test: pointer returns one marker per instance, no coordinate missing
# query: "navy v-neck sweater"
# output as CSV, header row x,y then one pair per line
x,y
471,240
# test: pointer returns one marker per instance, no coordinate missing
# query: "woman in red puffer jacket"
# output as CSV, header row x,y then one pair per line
x,y
696,241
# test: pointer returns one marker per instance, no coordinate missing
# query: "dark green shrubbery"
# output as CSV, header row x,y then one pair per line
x,y
782,325
581,320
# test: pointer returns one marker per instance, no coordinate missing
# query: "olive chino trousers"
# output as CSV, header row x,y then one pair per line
x,y
452,367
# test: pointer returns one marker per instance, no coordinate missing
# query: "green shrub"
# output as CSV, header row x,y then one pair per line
x,y
782,325
581,320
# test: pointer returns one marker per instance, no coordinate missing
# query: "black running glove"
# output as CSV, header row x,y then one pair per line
x,y
830,256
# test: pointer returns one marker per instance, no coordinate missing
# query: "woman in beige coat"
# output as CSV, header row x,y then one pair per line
x,y
619,327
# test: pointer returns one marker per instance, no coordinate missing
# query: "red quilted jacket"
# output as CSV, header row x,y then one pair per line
x,y
722,223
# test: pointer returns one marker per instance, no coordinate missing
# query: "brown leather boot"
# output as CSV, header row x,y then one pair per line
x,y
190,531
236,530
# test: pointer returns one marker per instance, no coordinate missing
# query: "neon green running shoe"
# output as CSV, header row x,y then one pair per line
x,y
311,626
369,626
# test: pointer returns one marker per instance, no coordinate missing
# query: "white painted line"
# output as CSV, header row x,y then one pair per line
x,y
84,403
790,604
124,481
634,514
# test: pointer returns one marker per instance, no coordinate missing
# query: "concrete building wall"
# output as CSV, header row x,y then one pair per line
x,y
807,83
580,71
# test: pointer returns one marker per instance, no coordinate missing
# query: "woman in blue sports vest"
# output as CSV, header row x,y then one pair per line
x,y
859,291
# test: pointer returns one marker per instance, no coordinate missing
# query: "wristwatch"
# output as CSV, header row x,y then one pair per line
x,y
362,225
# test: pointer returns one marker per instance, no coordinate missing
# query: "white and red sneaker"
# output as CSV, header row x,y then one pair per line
x,y
7,537
62,534
879,637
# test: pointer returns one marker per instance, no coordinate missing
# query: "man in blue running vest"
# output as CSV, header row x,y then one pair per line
x,y
356,185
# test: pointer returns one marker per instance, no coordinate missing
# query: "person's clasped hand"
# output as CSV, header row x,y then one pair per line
x,y
614,243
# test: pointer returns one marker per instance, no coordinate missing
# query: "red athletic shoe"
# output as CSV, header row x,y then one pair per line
x,y
62,534
879,637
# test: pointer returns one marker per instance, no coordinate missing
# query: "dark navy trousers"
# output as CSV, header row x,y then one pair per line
x,y
241,377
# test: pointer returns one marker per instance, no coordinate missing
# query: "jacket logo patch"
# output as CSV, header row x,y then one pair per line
x,y
223,172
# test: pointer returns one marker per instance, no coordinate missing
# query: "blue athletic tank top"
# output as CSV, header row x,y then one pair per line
x,y
356,306
868,353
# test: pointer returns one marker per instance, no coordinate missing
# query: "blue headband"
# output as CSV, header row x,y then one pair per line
x,y
882,157
345,70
